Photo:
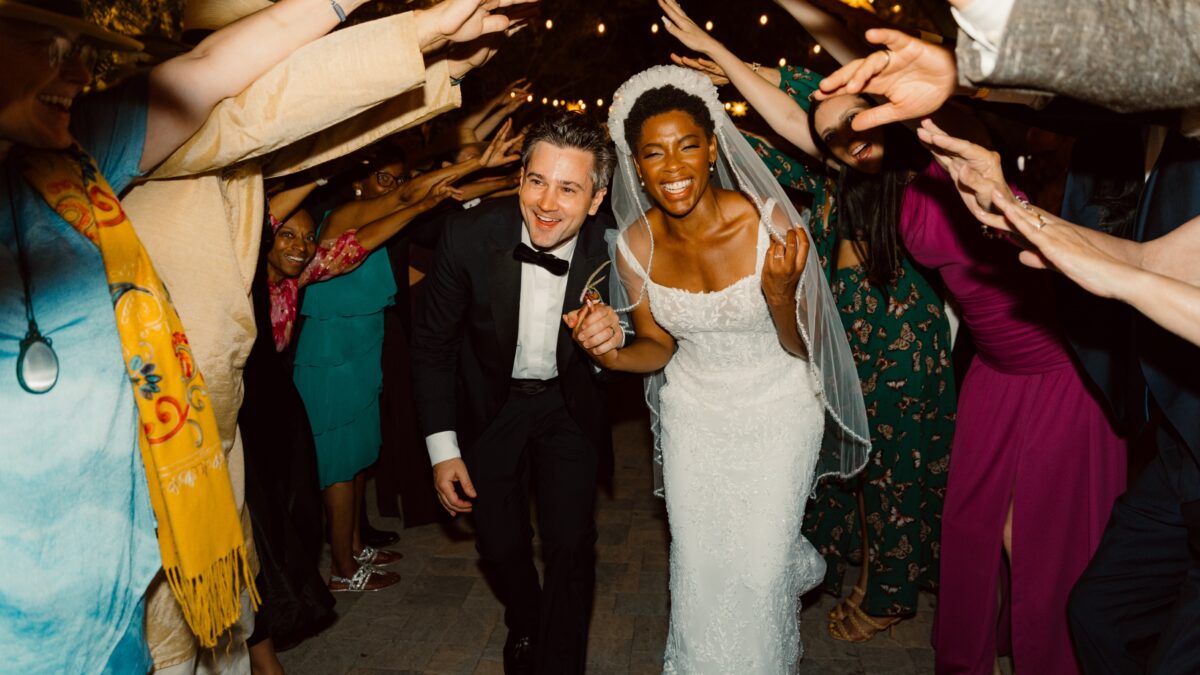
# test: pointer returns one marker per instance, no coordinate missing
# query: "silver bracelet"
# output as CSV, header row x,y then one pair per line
x,y
337,9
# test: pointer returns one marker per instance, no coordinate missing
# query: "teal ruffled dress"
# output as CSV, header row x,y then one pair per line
x,y
337,365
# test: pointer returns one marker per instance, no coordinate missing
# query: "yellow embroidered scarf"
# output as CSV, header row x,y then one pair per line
x,y
199,531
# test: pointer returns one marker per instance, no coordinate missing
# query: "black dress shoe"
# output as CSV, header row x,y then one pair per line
x,y
518,655
378,538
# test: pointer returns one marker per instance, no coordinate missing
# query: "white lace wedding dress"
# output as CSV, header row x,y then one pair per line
x,y
741,428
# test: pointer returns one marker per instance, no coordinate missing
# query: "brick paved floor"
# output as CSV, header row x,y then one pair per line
x,y
443,618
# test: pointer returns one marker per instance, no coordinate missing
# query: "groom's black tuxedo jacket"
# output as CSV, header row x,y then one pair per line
x,y
465,339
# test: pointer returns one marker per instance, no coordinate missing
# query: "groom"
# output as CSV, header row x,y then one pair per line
x,y
509,404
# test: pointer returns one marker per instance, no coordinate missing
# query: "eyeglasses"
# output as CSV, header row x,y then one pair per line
x,y
387,180
60,49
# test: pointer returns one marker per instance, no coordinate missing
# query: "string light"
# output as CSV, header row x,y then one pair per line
x,y
549,24
600,28
762,20
728,106
708,25
555,103
582,105
529,98
896,8
816,49
545,100
654,28
782,62
738,109
599,103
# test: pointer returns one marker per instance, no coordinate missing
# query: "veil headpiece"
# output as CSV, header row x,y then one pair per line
x,y
846,443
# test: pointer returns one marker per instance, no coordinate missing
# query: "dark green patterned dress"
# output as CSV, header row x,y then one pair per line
x,y
901,344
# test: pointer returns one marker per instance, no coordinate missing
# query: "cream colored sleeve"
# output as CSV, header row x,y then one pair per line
x,y
401,112
323,83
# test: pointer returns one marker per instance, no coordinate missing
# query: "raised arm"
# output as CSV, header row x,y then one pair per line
x,y
779,110
185,89
376,233
831,34
358,213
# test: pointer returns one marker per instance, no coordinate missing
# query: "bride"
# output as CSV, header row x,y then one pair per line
x,y
746,359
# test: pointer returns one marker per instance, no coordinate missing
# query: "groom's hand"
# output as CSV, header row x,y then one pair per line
x,y
445,475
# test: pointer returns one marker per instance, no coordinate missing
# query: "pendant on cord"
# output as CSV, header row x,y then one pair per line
x,y
37,364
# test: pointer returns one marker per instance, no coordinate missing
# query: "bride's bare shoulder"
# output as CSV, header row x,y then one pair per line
x,y
736,207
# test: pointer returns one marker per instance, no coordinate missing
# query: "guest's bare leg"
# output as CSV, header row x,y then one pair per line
x,y
339,510
360,488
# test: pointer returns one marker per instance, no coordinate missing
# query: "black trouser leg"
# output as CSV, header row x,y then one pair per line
x,y
499,467
1136,608
566,462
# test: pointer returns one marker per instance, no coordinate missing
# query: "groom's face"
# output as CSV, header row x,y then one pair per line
x,y
557,194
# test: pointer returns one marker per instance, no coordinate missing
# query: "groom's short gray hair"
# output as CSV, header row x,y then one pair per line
x,y
575,130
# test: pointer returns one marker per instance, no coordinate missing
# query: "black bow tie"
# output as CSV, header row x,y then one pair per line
x,y
552,264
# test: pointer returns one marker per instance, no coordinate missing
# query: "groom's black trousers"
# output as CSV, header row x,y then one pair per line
x,y
534,444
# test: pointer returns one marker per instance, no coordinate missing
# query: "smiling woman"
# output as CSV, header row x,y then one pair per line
x,y
752,359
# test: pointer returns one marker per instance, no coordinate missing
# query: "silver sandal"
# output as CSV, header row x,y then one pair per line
x,y
373,556
360,580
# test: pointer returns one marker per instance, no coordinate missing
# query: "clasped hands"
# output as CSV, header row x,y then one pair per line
x,y
596,328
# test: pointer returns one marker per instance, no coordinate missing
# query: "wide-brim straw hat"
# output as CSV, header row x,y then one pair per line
x,y
205,16
66,14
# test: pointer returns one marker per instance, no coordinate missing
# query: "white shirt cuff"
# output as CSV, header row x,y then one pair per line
x,y
442,446
984,21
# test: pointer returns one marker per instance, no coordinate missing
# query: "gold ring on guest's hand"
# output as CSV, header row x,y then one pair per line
x,y
887,55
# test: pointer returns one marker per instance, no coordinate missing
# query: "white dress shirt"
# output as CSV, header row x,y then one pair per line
x,y
984,21
539,320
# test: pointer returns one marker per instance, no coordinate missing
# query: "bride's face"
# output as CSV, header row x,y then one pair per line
x,y
673,155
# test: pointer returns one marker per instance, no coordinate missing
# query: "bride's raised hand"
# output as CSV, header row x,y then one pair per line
x,y
784,266
685,30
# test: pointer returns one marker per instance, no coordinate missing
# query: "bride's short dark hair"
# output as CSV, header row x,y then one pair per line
x,y
661,100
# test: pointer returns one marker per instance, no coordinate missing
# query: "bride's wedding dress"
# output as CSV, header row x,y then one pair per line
x,y
741,428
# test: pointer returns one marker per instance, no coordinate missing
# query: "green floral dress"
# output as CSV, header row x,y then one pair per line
x,y
901,344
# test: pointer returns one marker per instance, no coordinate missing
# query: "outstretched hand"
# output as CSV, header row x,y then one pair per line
x,y
677,23
784,266
1060,245
715,74
975,170
502,149
466,20
596,328
915,76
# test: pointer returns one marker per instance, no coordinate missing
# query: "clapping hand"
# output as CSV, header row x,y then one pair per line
x,y
916,77
596,328
784,266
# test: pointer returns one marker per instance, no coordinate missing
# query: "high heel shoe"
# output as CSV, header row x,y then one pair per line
x,y
843,607
858,626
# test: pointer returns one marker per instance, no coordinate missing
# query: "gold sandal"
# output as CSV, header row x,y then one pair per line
x,y
859,626
845,604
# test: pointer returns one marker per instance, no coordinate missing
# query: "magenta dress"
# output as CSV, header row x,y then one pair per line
x,y
1029,433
